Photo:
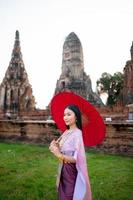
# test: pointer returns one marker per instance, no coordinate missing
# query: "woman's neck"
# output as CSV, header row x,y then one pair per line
x,y
73,127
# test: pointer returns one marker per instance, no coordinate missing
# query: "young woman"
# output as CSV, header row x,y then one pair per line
x,y
72,181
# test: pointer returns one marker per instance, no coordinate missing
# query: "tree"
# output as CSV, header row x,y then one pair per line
x,y
111,85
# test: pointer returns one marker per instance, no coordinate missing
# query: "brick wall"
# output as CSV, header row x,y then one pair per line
x,y
119,136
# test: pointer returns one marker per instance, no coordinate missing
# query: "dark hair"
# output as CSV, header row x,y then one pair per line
x,y
77,113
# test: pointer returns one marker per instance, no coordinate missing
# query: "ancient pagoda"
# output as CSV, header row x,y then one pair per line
x,y
15,89
128,81
73,77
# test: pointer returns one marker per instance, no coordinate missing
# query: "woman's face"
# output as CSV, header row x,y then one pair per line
x,y
69,117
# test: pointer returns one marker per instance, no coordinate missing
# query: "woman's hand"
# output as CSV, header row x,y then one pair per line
x,y
54,148
53,142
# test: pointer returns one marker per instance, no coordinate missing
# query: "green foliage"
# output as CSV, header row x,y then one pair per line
x,y
112,85
28,172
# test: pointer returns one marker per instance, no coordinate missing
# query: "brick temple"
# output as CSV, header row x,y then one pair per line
x,y
25,121
73,77
128,81
15,90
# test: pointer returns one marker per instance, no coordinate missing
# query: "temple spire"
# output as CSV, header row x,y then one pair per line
x,y
16,52
17,35
15,90
128,80
72,58
73,77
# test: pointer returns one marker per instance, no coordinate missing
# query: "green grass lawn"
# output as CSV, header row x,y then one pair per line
x,y
28,172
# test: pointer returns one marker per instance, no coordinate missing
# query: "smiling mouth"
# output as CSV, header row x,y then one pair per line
x,y
66,122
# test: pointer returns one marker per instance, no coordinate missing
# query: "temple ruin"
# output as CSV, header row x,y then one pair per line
x,y
32,124
73,77
15,89
128,81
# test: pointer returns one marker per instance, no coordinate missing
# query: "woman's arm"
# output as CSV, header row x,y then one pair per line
x,y
56,151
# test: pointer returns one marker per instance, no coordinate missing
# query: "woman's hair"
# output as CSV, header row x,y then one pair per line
x,y
77,113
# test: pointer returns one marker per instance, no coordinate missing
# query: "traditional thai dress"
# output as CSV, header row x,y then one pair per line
x,y
72,180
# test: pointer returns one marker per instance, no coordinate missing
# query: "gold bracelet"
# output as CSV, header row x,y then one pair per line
x,y
61,157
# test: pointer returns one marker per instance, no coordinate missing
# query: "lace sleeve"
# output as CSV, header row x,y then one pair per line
x,y
77,145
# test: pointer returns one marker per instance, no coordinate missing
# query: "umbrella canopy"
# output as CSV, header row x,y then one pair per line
x,y
93,126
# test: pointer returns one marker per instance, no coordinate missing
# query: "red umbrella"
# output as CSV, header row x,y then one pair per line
x,y
92,123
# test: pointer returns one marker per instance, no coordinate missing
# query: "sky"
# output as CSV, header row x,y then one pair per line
x,y
104,27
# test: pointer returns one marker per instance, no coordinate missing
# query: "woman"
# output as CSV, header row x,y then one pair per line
x,y
72,181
